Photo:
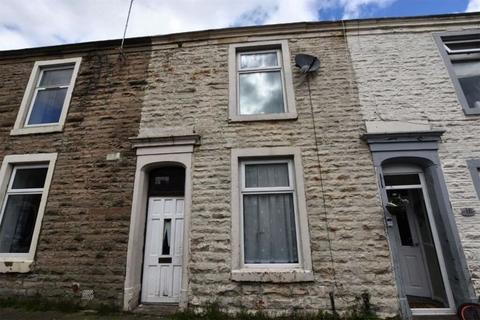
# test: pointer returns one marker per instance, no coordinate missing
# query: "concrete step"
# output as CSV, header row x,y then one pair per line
x,y
453,317
156,309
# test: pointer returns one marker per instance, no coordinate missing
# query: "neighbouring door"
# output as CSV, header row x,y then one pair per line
x,y
162,270
419,257
411,256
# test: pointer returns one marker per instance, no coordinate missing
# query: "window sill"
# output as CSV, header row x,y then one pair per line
x,y
36,130
12,266
263,117
272,275
471,111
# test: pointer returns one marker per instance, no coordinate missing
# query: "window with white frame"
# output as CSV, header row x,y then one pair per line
x,y
24,184
461,53
47,97
20,208
270,235
268,210
261,82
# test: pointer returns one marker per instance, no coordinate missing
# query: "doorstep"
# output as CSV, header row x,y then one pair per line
x,y
450,317
157,309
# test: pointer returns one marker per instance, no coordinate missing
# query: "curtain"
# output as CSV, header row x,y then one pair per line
x,y
18,222
269,229
48,106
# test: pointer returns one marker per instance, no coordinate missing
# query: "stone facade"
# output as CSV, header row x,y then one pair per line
x,y
401,77
178,82
188,86
84,233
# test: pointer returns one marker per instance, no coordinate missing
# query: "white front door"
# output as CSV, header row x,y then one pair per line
x,y
162,266
411,256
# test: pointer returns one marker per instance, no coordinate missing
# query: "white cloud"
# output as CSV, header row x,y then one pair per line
x,y
473,5
29,23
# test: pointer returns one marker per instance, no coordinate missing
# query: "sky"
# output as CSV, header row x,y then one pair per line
x,y
35,23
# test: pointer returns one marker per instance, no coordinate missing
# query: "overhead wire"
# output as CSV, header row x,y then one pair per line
x,y
322,188
125,29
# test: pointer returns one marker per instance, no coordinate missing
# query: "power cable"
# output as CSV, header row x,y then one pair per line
x,y
125,30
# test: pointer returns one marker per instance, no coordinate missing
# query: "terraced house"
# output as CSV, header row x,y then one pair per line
x,y
207,167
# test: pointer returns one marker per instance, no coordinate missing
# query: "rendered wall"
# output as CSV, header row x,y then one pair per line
x,y
402,77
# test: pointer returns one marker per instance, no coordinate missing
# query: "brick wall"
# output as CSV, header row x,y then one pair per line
x,y
84,233
188,86
401,76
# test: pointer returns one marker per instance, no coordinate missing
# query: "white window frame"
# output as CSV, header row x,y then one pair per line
x,y
269,190
21,262
21,125
294,272
234,70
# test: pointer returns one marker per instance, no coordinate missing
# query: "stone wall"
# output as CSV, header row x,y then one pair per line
x,y
402,77
84,234
188,86
372,75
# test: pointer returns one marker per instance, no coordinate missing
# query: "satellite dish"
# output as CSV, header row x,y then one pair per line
x,y
307,63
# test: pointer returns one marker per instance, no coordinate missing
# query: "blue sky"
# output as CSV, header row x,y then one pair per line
x,y
33,23
400,8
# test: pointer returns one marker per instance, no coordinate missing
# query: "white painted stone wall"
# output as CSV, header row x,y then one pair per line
x,y
401,77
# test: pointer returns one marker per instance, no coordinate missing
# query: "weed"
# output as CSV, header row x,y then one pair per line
x,y
213,312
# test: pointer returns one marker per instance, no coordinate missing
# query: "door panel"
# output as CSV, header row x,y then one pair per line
x,y
412,259
162,272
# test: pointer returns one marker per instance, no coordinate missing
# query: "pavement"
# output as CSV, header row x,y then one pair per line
x,y
20,314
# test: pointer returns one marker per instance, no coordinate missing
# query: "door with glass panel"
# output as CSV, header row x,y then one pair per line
x,y
419,256
162,272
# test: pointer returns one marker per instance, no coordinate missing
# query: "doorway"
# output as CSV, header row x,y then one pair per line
x,y
420,258
163,251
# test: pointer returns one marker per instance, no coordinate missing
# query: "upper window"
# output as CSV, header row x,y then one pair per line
x,y
47,97
24,183
461,52
261,82
270,239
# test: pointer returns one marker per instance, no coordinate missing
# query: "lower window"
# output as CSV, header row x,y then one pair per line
x,y
269,219
24,182
270,238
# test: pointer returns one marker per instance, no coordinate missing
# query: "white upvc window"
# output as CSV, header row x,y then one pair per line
x,y
269,215
270,238
47,97
24,184
261,86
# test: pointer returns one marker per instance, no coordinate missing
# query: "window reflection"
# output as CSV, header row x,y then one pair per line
x,y
468,73
55,78
261,92
258,60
